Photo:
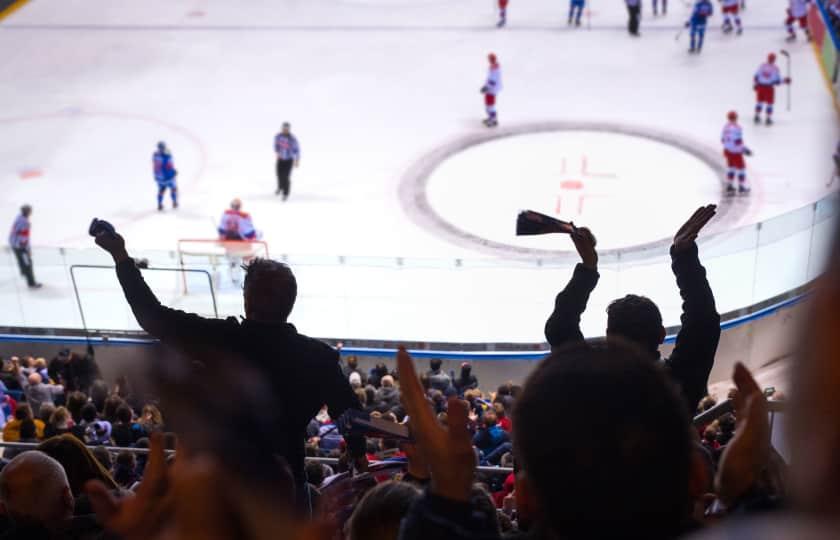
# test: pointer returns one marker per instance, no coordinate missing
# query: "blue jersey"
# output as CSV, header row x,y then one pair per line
x,y
164,168
702,10
286,146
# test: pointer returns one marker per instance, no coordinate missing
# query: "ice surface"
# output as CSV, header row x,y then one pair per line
x,y
370,86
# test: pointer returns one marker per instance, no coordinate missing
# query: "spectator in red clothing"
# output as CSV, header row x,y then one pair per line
x,y
501,417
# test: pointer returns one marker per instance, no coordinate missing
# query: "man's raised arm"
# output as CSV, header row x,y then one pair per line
x,y
563,326
697,341
169,325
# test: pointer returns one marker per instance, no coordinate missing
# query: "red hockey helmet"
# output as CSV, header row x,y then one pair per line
x,y
492,58
771,57
732,116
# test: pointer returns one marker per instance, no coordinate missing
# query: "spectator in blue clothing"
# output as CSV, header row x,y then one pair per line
x,y
491,435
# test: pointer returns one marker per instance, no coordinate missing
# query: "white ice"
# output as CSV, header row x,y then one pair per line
x,y
370,86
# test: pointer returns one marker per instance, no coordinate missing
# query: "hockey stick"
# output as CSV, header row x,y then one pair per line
x,y
786,54
679,34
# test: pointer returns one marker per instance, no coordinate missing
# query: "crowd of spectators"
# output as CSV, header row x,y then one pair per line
x,y
600,438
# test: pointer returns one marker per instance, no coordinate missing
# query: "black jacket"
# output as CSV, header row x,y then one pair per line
x,y
299,374
694,352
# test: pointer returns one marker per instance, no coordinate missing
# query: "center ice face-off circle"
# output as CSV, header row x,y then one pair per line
x,y
621,185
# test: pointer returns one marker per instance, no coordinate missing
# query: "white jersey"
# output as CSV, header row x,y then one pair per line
x,y
494,80
768,75
799,8
729,3
733,138
236,225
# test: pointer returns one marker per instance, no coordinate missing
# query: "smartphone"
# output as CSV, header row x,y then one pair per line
x,y
769,391
531,223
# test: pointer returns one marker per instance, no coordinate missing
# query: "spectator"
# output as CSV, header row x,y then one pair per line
x,y
638,320
502,418
466,380
355,381
125,469
74,371
302,373
628,458
438,380
362,395
387,396
490,438
103,456
11,431
376,373
75,402
726,425
353,367
151,419
379,514
27,435
80,465
112,403
59,423
36,495
38,392
45,412
124,431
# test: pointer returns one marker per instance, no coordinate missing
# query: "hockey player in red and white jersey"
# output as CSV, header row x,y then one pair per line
x,y
797,11
502,13
734,151
731,11
764,83
491,89
236,226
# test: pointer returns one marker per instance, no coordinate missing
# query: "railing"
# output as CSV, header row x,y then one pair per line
x,y
432,300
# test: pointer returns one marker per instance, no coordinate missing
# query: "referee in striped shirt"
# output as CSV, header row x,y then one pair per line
x,y
19,242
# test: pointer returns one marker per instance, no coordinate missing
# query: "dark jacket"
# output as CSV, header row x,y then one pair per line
x,y
301,373
694,352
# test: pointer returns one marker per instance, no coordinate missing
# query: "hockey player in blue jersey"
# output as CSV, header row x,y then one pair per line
x,y
702,10
575,11
165,174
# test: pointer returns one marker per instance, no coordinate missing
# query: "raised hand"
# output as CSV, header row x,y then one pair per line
x,y
748,453
448,451
113,244
687,234
585,244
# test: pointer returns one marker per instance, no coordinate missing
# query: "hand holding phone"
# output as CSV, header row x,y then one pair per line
x,y
530,223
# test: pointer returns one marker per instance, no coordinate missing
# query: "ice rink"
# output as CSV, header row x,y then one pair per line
x,y
400,223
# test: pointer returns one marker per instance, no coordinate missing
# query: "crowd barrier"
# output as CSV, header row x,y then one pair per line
x,y
827,44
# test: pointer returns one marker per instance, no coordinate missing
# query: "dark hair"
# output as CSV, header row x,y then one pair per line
x,y
379,513
435,363
23,412
75,402
112,403
89,412
124,413
271,289
629,457
636,319
27,429
78,462
315,473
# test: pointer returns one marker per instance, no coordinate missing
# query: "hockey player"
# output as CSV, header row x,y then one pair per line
x,y
19,242
700,13
165,174
731,11
797,11
734,150
575,11
236,225
656,7
491,89
764,82
502,13
287,149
